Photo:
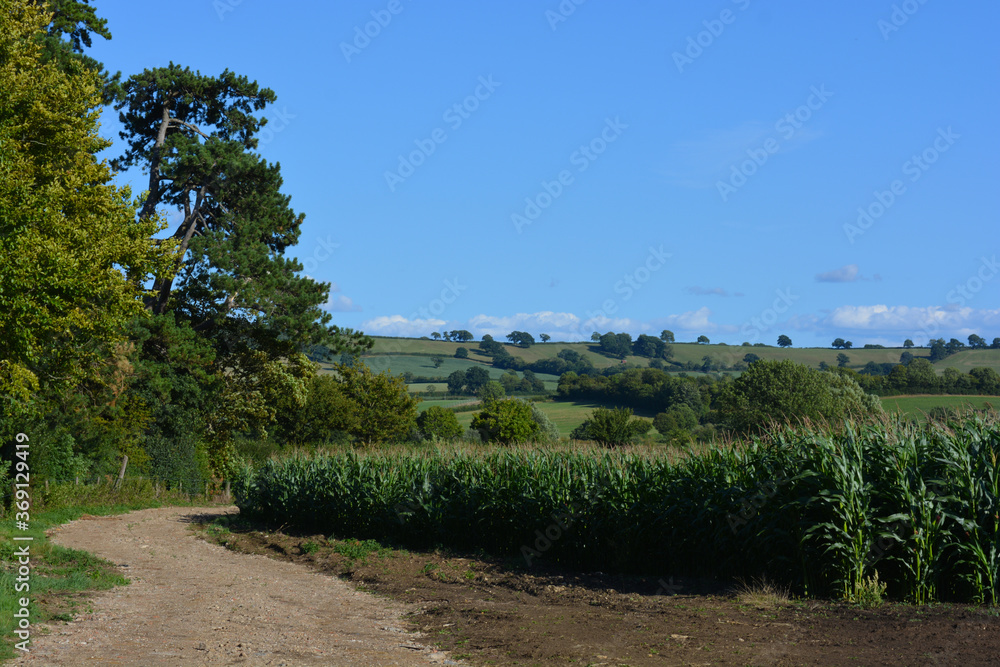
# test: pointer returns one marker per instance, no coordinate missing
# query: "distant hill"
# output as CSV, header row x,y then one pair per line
x,y
414,355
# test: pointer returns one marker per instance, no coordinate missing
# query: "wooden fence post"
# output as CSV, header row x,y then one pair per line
x,y
121,473
228,494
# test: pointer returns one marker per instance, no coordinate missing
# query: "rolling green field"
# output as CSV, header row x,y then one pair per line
x,y
969,359
423,366
414,355
919,406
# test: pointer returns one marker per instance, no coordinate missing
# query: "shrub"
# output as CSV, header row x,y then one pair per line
x,y
462,353
612,427
505,421
678,418
438,422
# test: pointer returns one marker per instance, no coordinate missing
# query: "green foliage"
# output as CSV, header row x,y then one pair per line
x,y
462,353
855,513
650,346
383,407
869,593
703,339
616,345
69,235
475,378
326,413
676,422
667,336
491,391
456,381
641,389
784,341
521,338
779,391
505,421
438,423
612,427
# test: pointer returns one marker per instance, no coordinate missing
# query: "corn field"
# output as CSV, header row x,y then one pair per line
x,y
817,508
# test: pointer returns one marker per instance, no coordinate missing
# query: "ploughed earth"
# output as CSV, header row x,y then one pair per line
x,y
483,611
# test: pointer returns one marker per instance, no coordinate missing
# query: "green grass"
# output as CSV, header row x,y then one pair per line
x,y
919,406
443,403
360,550
61,577
969,359
423,366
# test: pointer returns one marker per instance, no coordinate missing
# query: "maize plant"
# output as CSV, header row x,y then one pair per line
x,y
824,509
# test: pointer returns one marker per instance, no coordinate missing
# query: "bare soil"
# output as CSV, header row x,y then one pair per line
x,y
191,602
494,612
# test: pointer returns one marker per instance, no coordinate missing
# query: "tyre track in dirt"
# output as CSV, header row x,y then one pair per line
x,y
195,603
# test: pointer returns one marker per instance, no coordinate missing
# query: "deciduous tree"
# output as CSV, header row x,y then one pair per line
x,y
778,391
384,409
73,257
438,423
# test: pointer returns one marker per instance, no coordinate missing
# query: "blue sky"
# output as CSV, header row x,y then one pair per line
x,y
737,169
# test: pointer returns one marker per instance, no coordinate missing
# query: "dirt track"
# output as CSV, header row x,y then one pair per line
x,y
195,603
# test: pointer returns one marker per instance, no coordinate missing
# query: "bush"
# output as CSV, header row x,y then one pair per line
x,y
611,427
462,353
438,422
506,421
678,418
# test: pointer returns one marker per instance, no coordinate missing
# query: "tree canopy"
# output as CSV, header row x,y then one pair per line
x,y
73,257
779,391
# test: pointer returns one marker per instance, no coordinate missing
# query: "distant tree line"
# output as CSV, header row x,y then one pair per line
x,y
917,376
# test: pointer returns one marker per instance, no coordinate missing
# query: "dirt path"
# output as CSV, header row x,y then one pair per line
x,y
195,603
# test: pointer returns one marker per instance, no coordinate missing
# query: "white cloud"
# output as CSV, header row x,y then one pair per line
x,y
341,304
692,320
397,325
918,323
845,274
